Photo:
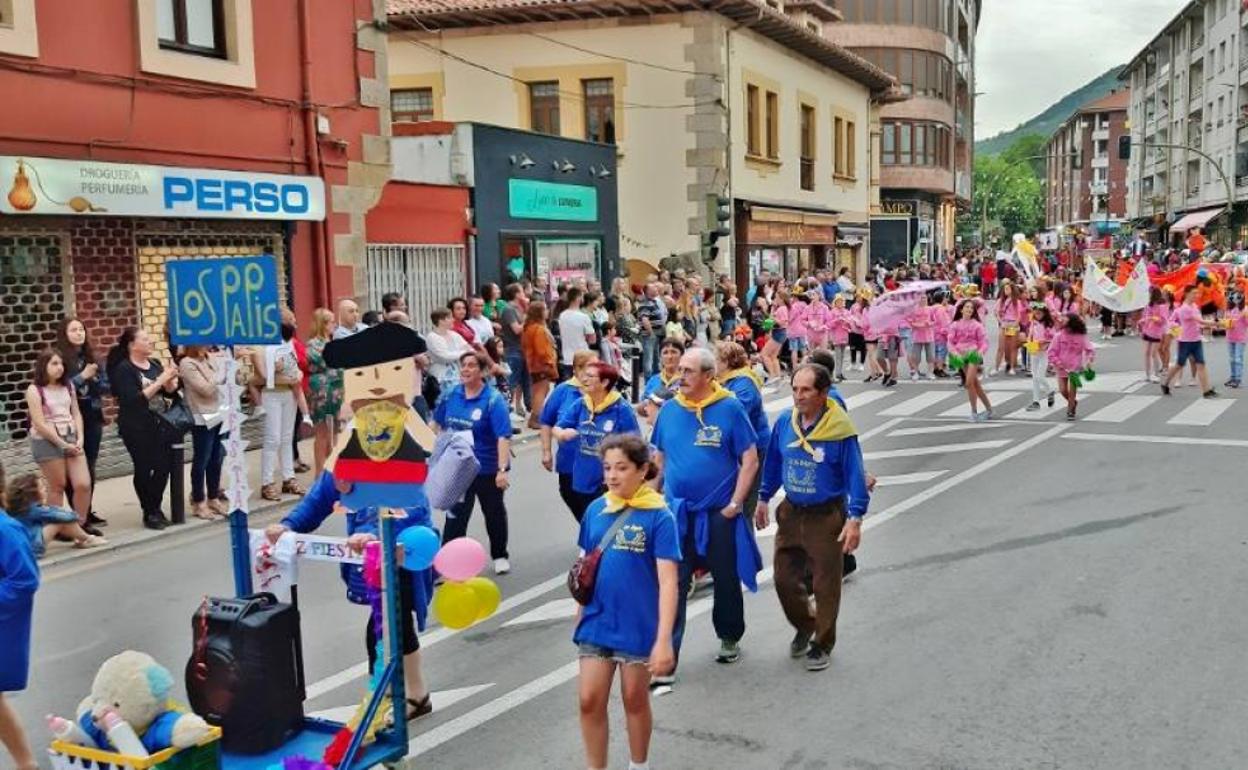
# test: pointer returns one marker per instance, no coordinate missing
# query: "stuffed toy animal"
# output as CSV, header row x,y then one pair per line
x,y
137,688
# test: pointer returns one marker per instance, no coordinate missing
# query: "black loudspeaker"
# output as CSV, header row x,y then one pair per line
x,y
245,674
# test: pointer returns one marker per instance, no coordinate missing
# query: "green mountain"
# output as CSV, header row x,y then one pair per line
x,y
1047,122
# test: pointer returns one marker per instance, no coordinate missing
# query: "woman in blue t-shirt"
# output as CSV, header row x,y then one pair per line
x,y
585,422
662,384
628,623
475,407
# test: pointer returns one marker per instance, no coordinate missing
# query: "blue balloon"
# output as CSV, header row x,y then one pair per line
x,y
420,545
1202,273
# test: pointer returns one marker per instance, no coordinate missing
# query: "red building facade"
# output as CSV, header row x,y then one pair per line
x,y
111,98
1086,182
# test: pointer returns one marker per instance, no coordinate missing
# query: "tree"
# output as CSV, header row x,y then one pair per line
x,y
1009,196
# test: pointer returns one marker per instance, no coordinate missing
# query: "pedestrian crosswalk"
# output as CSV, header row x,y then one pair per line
x,y
1110,406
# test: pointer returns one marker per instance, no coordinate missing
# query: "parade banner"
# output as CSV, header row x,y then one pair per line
x,y
890,307
230,301
1098,287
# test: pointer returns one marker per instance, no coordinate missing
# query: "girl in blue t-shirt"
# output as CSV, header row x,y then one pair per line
x,y
628,623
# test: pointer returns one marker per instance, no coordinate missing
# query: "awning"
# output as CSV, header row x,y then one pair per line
x,y
1195,219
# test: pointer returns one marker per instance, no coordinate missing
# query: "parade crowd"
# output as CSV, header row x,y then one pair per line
x,y
668,492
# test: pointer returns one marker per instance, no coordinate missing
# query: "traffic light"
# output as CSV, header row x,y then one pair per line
x,y
718,217
1124,147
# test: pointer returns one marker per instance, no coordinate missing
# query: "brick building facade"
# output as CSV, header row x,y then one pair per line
x,y
1086,182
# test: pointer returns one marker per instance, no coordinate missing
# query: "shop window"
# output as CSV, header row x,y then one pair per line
x,y
773,125
544,108
562,261
599,96
808,147
753,142
192,26
411,105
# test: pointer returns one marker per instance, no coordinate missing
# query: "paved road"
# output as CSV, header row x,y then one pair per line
x,y
1034,594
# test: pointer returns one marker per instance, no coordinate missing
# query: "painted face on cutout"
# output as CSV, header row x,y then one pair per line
x,y
390,380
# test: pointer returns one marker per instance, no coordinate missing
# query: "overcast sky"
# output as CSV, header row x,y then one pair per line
x,y
1033,52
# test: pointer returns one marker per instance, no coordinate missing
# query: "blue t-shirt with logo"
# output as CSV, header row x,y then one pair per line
x,y
701,459
563,394
624,614
587,466
486,416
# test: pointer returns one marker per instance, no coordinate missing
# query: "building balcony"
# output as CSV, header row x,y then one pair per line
x,y
1098,188
1101,161
1100,135
926,178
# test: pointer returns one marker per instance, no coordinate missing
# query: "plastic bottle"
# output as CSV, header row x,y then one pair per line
x,y
69,732
122,735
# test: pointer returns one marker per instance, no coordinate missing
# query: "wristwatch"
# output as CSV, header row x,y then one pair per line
x,y
734,505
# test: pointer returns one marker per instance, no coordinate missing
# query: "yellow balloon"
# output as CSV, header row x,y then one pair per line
x,y
488,596
455,605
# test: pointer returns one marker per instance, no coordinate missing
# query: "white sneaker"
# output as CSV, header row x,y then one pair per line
x,y
914,376
929,376
501,566
994,372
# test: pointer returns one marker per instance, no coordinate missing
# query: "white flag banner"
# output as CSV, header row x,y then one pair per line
x,y
274,567
1098,287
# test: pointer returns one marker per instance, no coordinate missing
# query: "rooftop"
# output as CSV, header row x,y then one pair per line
x,y
435,15
1113,102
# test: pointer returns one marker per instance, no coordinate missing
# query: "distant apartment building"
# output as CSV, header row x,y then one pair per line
x,y
1189,124
927,141
1085,181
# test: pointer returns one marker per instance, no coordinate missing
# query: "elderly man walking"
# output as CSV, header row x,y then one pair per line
x,y
814,455
707,460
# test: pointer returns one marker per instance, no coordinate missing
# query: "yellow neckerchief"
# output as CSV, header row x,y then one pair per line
x,y
744,371
666,381
718,393
594,411
645,498
833,425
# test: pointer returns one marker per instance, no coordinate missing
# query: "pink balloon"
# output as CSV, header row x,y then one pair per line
x,y
461,559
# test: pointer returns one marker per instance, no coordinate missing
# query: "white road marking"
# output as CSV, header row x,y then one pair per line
x,y
938,449
1135,439
913,406
964,409
1123,409
442,699
954,427
908,478
780,404
553,610
348,675
1201,412
1059,404
859,400
454,728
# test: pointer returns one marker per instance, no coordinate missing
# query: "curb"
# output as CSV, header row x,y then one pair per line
x,y
268,512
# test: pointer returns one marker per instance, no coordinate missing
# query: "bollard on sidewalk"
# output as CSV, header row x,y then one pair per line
x,y
177,485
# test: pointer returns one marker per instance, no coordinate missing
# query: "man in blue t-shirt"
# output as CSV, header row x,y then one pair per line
x,y
814,455
707,461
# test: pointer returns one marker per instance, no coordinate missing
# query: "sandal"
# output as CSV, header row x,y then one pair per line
x,y
200,510
269,492
415,709
90,541
291,487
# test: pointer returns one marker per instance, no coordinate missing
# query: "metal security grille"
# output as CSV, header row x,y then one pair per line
x,y
32,303
427,275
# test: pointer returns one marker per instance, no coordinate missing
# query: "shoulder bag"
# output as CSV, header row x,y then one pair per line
x,y
584,572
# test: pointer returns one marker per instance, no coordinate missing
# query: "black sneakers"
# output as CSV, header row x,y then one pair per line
x,y
800,644
817,659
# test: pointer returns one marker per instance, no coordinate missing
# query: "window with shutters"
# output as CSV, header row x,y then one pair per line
x,y
599,96
807,160
773,125
544,108
753,131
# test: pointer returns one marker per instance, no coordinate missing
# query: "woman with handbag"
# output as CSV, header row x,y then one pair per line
x,y
278,375
90,384
203,375
56,434
541,361
626,579
145,389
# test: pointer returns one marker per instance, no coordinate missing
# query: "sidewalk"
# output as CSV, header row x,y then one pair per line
x,y
116,501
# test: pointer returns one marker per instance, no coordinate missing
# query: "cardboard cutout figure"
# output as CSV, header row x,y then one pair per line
x,y
381,458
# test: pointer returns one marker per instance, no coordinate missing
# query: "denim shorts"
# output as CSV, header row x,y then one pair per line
x,y
44,450
1194,350
779,336
590,650
798,345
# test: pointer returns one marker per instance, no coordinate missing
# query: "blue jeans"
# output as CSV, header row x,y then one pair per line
x,y
207,454
519,377
1237,360
649,356
728,613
